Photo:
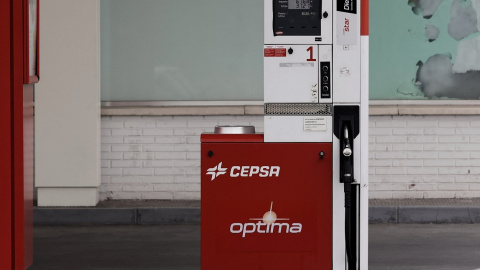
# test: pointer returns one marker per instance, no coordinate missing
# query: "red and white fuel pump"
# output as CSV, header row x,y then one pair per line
x,y
296,197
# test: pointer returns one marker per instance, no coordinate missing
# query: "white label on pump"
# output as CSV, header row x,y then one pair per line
x,y
314,123
347,22
346,29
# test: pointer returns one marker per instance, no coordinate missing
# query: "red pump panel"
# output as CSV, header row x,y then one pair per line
x,y
211,137
266,206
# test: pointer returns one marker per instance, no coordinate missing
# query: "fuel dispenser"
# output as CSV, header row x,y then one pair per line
x,y
296,197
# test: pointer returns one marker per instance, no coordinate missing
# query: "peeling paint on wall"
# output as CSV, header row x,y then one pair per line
x,y
430,53
425,7
438,80
468,50
431,32
468,56
463,20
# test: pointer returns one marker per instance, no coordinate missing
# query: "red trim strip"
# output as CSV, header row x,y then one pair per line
x,y
223,138
26,56
364,17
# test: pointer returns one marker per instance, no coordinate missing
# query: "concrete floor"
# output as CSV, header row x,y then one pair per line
x,y
177,247
424,246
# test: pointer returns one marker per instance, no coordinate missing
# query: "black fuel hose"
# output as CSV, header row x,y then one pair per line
x,y
347,174
348,225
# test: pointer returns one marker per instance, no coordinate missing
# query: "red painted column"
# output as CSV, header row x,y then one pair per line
x,y
18,187
5,138
364,17
16,142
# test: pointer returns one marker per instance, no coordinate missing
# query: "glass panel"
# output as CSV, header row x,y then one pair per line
x,y
160,50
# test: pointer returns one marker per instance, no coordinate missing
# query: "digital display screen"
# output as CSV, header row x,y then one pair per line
x,y
299,4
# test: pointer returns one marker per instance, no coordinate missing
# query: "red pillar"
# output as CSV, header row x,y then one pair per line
x,y
6,211
16,141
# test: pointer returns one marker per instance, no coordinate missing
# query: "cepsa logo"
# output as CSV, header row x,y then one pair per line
x,y
244,171
268,224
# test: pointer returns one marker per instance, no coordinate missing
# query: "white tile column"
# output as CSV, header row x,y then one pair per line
x,y
67,104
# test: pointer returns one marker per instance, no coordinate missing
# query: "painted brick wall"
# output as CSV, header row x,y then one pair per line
x,y
157,157
424,157
410,156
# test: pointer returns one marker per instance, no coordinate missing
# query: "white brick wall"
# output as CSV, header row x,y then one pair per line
x,y
424,156
410,156
157,157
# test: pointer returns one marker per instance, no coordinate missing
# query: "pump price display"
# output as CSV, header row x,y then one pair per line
x,y
299,4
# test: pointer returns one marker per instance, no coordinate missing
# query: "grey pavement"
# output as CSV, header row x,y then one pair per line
x,y
173,247
424,246
424,211
177,247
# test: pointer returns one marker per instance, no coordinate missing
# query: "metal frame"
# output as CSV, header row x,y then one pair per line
x,y
425,103
114,104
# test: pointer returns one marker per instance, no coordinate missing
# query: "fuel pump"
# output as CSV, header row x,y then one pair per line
x,y
296,197
321,82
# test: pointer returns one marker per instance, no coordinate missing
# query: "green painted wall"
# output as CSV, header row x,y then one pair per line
x,y
398,41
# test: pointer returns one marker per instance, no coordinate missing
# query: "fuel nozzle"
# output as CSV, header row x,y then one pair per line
x,y
347,150
346,159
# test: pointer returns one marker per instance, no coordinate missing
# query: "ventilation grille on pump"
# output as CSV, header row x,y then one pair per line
x,y
298,109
